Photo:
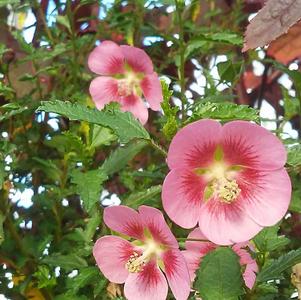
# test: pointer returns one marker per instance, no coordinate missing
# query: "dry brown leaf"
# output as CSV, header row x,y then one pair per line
x,y
288,47
273,20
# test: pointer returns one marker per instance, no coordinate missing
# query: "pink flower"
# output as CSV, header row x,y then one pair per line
x,y
138,263
127,72
229,179
195,251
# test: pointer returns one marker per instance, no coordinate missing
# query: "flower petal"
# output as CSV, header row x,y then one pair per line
x,y
226,224
152,90
149,284
266,195
135,105
194,145
249,274
193,260
111,254
137,59
103,91
177,273
182,193
202,247
252,146
246,260
153,220
124,220
106,59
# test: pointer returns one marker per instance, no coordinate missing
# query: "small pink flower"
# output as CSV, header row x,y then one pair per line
x,y
138,263
195,251
127,72
229,179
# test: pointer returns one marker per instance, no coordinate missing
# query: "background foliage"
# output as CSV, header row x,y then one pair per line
x,y
61,161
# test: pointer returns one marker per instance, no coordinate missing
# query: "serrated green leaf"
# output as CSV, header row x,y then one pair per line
x,y
68,262
224,112
278,266
121,156
122,123
91,226
63,20
269,240
89,186
45,279
219,276
148,197
225,37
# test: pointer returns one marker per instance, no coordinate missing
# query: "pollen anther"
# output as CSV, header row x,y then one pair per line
x,y
227,190
135,264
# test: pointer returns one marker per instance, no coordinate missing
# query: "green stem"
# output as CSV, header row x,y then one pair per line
x,y
181,70
158,147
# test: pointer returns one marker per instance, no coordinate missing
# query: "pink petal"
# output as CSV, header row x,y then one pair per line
x,y
106,59
135,105
193,260
266,195
153,220
152,90
124,220
226,224
249,274
177,273
250,264
194,145
182,194
252,146
199,246
137,59
111,254
149,284
103,91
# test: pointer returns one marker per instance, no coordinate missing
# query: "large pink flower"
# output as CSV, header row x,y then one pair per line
x,y
127,72
229,179
138,263
196,250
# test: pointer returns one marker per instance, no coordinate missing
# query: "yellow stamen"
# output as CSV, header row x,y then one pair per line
x,y
227,190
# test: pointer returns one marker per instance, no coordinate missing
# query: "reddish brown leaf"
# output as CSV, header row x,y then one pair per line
x,y
288,46
273,20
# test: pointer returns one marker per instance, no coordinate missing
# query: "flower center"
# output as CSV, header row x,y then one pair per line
x,y
137,261
227,190
127,85
221,182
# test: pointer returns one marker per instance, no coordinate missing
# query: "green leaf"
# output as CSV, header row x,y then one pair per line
x,y
170,127
224,112
228,70
122,123
294,155
89,186
91,226
121,156
68,262
2,218
101,136
63,20
85,276
291,105
278,266
226,37
219,276
45,279
2,171
148,197
269,240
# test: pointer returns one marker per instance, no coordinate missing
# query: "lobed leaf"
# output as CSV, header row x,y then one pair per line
x,y
122,123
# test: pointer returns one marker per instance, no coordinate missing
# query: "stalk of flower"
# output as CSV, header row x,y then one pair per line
x,y
127,73
196,250
230,180
139,261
